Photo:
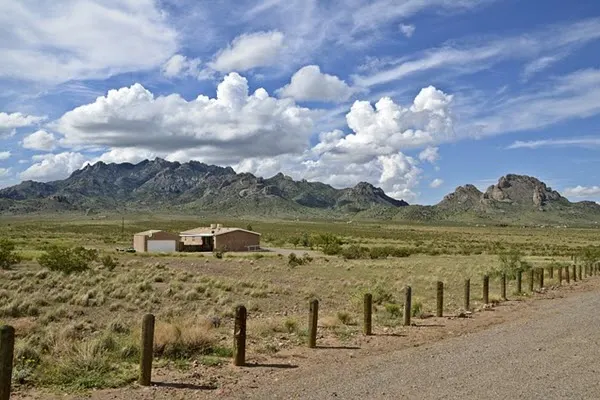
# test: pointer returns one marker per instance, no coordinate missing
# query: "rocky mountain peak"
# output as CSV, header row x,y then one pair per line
x,y
463,198
522,190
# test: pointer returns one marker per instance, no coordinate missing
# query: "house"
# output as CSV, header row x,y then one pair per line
x,y
156,241
217,237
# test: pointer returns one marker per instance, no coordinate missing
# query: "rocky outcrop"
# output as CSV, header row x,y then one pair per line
x,y
522,190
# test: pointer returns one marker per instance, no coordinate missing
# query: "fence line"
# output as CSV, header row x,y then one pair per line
x,y
7,333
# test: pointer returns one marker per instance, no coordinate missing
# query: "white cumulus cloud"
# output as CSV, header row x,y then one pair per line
x,y
4,172
224,129
249,51
82,39
582,191
430,154
5,155
407,29
49,167
389,127
589,142
40,140
180,66
309,83
436,183
129,155
10,122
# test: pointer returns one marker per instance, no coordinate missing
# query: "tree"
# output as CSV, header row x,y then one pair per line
x,y
512,261
8,256
67,259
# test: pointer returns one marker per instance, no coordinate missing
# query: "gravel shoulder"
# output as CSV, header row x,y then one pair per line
x,y
551,351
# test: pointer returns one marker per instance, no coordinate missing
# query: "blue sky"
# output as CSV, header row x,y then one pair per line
x,y
414,96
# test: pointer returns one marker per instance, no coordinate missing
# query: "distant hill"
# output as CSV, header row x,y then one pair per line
x,y
514,199
194,187
161,185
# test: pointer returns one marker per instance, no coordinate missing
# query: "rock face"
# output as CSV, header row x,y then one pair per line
x,y
522,190
160,184
516,193
464,198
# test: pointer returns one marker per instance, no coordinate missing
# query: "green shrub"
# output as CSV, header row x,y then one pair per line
x,y
332,249
291,325
393,310
218,254
382,295
355,252
379,252
66,259
344,317
108,262
417,309
401,252
8,257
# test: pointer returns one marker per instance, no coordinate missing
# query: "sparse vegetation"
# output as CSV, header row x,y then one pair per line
x,y
94,310
8,256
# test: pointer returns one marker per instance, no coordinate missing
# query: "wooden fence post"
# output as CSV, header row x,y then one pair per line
x,y
239,336
531,272
147,350
580,271
407,305
503,286
574,273
567,274
519,281
313,319
560,270
368,314
486,289
440,299
541,277
467,294
7,349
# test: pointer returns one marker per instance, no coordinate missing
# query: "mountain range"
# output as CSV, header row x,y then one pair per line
x,y
194,187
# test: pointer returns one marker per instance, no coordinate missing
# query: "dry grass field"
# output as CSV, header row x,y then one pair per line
x,y
81,331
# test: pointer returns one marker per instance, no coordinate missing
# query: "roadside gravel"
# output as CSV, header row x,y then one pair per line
x,y
552,352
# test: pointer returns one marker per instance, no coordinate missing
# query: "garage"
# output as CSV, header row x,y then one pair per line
x,y
162,246
156,241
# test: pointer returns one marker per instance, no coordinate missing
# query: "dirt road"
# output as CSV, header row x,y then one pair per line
x,y
550,352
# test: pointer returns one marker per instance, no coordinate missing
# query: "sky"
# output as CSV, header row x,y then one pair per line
x,y
414,96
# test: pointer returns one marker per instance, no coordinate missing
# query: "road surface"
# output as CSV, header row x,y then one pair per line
x,y
554,353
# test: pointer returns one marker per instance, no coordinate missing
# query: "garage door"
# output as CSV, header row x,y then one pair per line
x,y
161,246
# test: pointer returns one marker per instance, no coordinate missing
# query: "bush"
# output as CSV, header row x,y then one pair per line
x,y
331,249
417,309
294,260
380,252
393,310
108,262
8,257
218,254
355,252
344,317
66,259
401,252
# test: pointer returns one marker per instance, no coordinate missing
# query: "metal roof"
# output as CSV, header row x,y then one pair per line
x,y
207,231
148,233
